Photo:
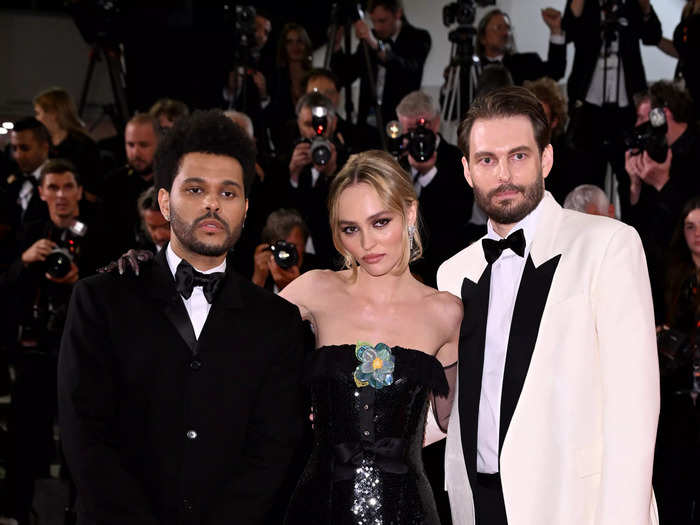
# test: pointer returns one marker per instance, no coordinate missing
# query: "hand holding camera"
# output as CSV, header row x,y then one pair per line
x,y
38,251
279,259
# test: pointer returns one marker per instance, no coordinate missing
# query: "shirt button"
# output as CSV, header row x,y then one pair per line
x,y
191,434
365,433
195,364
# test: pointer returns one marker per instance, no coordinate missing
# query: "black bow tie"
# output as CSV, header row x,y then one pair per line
x,y
186,278
493,249
28,177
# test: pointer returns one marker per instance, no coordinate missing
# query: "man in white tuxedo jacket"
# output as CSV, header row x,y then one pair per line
x,y
558,390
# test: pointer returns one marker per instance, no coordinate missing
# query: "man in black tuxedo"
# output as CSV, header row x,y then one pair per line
x,y
29,143
606,74
444,197
397,55
179,400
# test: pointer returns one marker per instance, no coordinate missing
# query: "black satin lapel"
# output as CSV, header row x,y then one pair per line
x,y
162,288
475,297
524,328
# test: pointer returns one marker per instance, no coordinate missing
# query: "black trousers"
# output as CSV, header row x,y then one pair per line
x,y
32,414
490,508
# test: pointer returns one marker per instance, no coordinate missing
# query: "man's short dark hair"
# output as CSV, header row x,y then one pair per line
x,y
40,133
148,200
389,5
142,119
320,72
514,101
667,94
58,166
203,132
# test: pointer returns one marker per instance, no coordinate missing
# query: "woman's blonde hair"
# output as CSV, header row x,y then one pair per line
x,y
393,185
57,100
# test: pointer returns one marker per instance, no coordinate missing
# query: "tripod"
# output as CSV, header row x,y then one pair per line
x,y
463,73
342,15
112,57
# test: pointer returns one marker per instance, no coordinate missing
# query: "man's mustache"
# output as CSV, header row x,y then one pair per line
x,y
212,215
506,187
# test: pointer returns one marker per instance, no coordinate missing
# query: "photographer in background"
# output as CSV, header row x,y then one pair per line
x,y
659,188
155,230
397,52
55,254
316,158
677,456
444,197
280,258
494,41
167,111
606,73
124,185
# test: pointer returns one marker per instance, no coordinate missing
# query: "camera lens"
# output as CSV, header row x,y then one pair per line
x,y
285,254
58,263
320,151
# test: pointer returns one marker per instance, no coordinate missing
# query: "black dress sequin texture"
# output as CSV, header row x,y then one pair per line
x,y
365,467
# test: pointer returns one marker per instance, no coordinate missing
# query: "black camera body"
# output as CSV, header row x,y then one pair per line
x,y
463,11
58,263
285,253
420,142
650,136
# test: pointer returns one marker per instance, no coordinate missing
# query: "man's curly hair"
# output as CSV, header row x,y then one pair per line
x,y
203,132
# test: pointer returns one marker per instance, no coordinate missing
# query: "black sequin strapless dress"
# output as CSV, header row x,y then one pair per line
x,y
369,419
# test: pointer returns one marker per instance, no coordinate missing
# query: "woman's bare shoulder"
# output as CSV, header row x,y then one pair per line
x,y
310,284
446,308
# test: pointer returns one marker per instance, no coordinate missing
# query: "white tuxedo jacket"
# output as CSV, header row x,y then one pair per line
x,y
580,397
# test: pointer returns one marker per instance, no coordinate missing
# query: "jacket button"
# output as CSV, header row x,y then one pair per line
x,y
195,364
191,434
366,407
365,433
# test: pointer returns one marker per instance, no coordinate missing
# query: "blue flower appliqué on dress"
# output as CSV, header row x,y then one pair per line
x,y
376,367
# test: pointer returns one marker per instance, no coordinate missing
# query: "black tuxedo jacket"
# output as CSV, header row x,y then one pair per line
x,y
36,209
529,66
160,428
445,207
404,70
585,33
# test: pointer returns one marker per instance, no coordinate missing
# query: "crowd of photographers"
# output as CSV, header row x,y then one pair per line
x,y
70,206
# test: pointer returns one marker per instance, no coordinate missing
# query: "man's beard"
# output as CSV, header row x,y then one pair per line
x,y
506,212
185,233
143,173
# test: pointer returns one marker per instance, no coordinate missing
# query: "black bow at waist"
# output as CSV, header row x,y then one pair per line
x,y
386,453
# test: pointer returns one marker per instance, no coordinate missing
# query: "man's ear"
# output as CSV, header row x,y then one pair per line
x,y
80,193
164,203
547,160
467,173
42,196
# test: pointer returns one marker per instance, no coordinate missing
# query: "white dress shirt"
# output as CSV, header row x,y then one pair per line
x,y
606,72
27,190
506,272
197,306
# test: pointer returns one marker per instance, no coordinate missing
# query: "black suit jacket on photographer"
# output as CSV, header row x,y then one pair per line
x,y
445,209
122,220
404,70
26,285
529,66
657,213
585,33
161,428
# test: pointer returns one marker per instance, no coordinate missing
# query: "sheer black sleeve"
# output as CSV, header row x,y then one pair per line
x,y
442,404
